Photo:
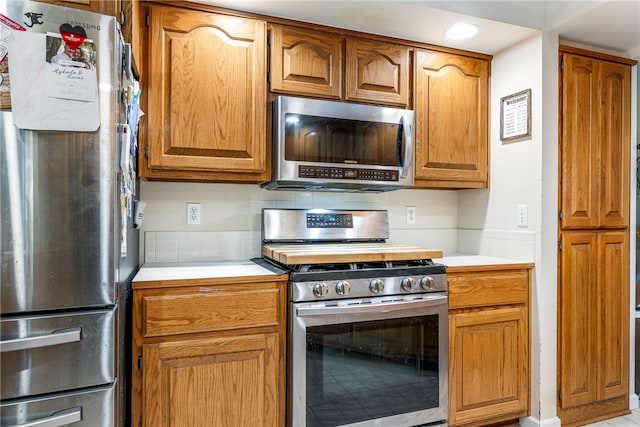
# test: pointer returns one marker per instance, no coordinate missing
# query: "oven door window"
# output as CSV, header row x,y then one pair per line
x,y
367,370
329,140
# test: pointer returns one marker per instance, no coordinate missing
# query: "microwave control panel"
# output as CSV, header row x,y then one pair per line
x,y
319,172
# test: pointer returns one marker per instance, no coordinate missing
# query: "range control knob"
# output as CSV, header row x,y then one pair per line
x,y
427,282
320,289
408,284
376,286
343,288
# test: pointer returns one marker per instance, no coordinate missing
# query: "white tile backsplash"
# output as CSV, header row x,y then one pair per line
x,y
232,220
201,246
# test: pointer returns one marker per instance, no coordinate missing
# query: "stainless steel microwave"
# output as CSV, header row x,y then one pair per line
x,y
340,146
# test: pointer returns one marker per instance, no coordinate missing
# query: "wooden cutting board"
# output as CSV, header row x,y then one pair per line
x,y
291,254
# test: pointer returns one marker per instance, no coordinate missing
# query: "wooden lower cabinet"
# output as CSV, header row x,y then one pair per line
x,y
489,358
228,381
209,353
593,326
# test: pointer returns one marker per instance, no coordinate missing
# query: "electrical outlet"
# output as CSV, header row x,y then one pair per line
x,y
193,213
410,214
523,219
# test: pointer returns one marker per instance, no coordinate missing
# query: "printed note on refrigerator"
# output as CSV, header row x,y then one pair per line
x,y
71,69
52,105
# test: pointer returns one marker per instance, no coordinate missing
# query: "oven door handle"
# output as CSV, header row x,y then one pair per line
x,y
428,301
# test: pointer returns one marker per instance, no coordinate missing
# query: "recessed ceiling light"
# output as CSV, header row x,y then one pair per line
x,y
461,31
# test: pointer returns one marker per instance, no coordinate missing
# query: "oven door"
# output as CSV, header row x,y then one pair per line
x,y
374,361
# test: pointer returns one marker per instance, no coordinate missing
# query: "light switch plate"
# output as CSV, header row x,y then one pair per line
x,y
523,216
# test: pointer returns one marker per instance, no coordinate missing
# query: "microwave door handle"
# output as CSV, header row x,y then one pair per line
x,y
407,159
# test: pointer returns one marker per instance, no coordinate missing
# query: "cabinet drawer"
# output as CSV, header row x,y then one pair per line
x,y
208,309
488,288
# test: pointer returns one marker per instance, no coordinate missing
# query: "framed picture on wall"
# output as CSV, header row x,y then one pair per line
x,y
515,115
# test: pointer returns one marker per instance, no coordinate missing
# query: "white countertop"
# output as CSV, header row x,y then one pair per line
x,y
199,270
151,272
475,260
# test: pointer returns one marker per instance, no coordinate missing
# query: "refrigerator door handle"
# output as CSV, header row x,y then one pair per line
x,y
61,418
63,336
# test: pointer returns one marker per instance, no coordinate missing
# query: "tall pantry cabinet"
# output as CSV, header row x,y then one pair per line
x,y
593,283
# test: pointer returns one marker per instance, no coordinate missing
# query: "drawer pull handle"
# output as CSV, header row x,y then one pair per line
x,y
210,290
64,336
61,418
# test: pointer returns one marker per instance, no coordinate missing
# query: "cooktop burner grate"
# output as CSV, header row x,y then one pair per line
x,y
315,268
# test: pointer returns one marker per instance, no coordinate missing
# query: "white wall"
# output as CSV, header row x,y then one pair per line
x,y
524,172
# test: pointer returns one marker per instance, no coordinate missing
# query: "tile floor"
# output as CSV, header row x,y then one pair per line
x,y
631,420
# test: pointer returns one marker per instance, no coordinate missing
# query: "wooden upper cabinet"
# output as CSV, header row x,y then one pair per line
x,y
377,72
306,62
109,7
451,104
595,147
207,96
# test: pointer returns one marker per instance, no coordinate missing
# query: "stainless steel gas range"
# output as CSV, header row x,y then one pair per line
x,y
367,337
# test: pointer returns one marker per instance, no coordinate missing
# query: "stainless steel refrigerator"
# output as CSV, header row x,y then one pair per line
x,y
67,255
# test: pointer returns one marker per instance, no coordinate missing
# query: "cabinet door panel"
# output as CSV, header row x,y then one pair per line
x,y
207,91
595,143
306,62
578,319
489,361
580,185
111,7
614,137
213,381
377,72
613,299
451,118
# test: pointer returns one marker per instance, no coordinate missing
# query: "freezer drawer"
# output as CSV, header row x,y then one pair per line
x,y
45,354
89,408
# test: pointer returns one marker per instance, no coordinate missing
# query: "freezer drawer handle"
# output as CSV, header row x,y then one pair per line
x,y
61,418
63,336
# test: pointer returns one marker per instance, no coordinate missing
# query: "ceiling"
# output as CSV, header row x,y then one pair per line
x,y
609,25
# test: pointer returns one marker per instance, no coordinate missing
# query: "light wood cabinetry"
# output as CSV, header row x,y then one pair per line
x,y
489,357
204,76
377,72
593,290
106,7
596,129
307,62
594,323
451,105
207,110
209,352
